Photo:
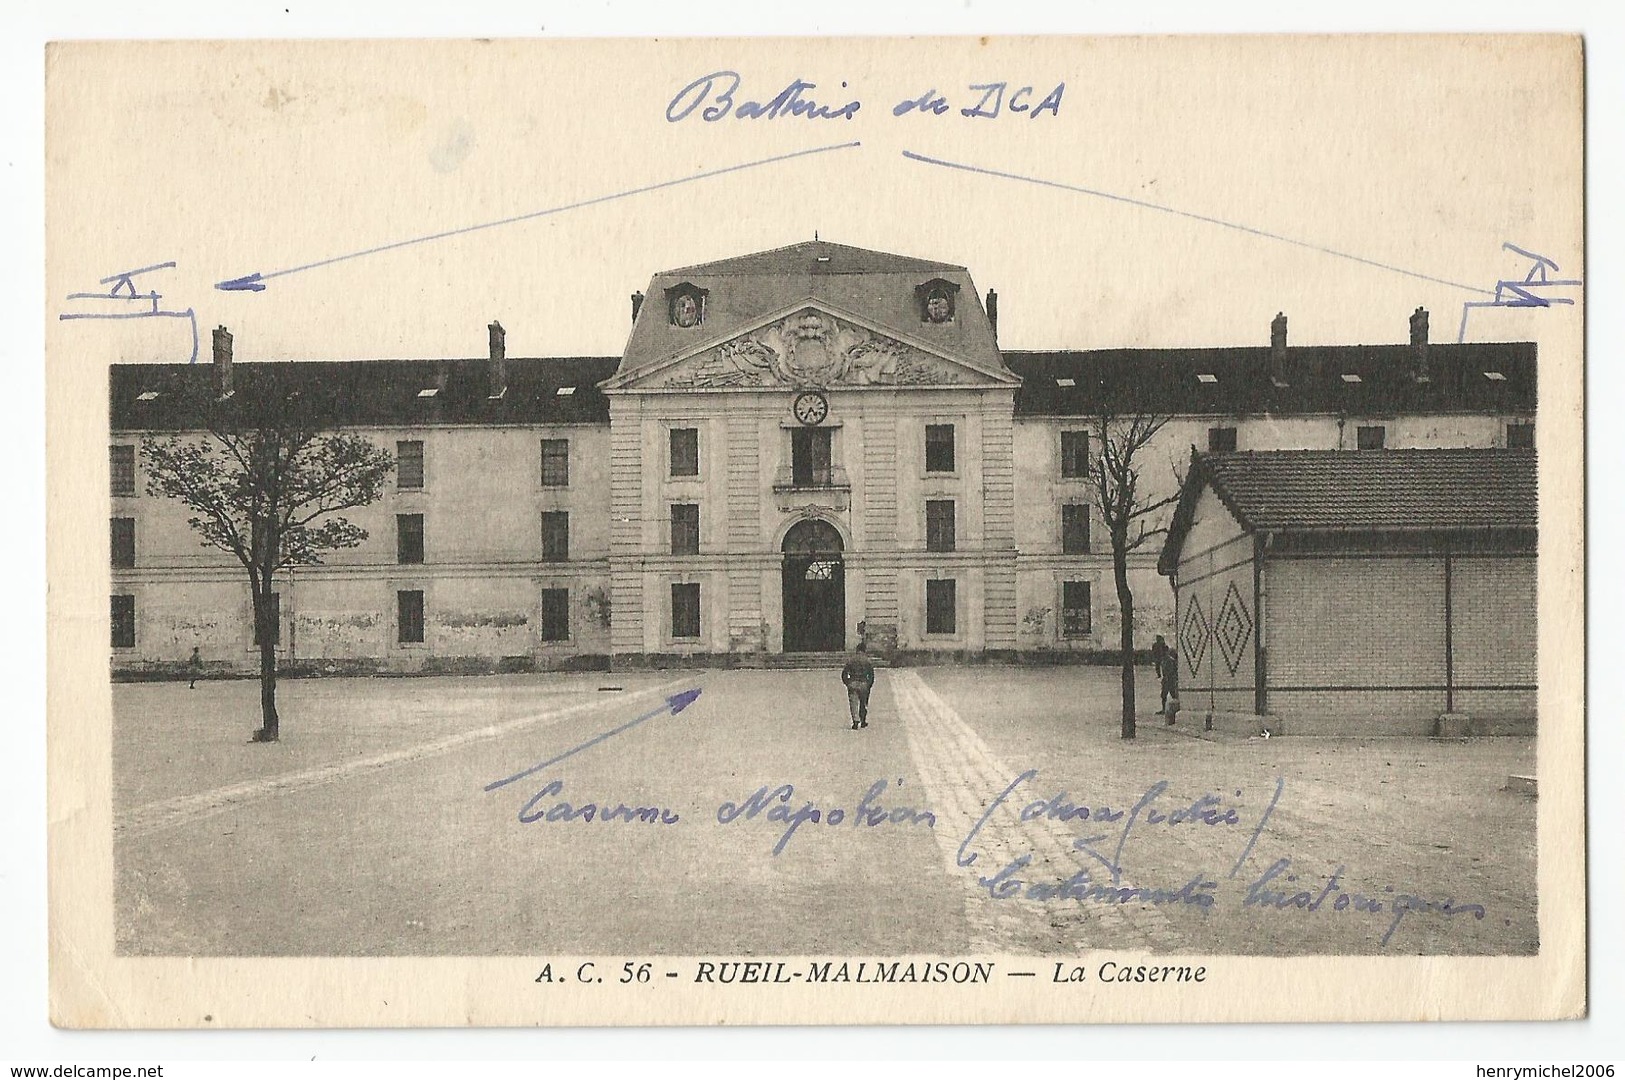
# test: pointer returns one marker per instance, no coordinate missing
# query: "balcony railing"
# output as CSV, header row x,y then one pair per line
x,y
831,479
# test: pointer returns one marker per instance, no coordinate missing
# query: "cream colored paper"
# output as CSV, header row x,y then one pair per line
x,y
1419,153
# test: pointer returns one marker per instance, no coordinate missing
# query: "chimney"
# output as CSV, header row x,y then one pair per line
x,y
993,313
637,305
1419,345
497,373
222,359
1278,369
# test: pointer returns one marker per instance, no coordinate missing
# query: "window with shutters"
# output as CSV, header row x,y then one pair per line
x,y
685,529
555,536
939,525
1076,617
1371,438
555,462
940,615
685,610
1075,529
123,543
124,622
409,617
121,459
685,451
409,464
810,457
409,538
939,448
1221,439
1074,454
555,614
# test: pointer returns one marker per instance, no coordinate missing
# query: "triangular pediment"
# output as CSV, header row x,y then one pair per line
x,y
811,344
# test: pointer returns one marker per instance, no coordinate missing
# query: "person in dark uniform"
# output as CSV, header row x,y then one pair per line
x,y
194,668
859,677
1159,653
1170,685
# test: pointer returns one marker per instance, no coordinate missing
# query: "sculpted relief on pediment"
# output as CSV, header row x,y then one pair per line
x,y
811,348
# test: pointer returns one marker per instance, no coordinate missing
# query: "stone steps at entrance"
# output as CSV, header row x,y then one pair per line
x,y
801,661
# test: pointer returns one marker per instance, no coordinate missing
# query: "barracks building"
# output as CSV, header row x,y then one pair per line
x,y
799,449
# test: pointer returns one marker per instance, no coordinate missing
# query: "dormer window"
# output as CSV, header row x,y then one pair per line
x,y
937,299
685,305
1208,378
147,395
429,392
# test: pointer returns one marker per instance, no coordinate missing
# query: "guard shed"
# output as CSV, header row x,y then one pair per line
x,y
1338,592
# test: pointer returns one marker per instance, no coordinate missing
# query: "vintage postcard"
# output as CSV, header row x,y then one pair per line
x,y
815,531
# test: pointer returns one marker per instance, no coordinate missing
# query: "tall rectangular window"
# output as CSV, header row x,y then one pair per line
x,y
939,448
409,464
555,536
940,617
1520,436
555,462
275,618
123,543
685,610
685,451
409,538
1075,529
1221,439
555,614
939,525
1371,438
685,529
810,457
1074,454
1076,613
409,617
124,622
121,459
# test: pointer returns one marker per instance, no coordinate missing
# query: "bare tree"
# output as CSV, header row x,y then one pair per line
x,y
266,483
1130,517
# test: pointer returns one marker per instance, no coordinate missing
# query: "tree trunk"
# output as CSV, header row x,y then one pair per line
x,y
1125,608
266,630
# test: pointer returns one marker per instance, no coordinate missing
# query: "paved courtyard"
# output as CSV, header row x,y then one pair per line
x,y
986,809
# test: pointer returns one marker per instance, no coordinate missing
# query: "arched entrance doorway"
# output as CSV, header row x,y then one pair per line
x,y
814,588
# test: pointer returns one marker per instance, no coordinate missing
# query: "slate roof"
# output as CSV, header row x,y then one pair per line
x,y
876,286
376,393
1461,490
1166,380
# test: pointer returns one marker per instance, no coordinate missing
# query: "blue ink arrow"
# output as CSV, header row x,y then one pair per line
x,y
674,704
247,283
255,282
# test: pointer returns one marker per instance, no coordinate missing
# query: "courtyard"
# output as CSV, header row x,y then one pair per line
x,y
985,809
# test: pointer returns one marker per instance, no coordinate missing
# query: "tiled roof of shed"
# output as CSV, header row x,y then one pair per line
x,y
384,393
1473,377
1461,490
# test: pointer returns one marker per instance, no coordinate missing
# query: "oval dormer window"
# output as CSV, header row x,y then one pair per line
x,y
685,305
936,299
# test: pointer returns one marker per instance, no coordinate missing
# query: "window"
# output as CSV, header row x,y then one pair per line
x,y
685,451
939,525
939,606
1074,454
555,462
1521,436
685,529
122,461
409,464
123,622
1076,619
123,543
555,614
275,617
409,617
939,448
1221,439
555,536
685,610
809,457
1370,438
1075,529
409,538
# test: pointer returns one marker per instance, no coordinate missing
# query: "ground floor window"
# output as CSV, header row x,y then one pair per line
x,y
555,614
1075,609
274,601
939,606
409,616
685,610
124,622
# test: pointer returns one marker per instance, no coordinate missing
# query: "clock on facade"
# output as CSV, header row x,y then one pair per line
x,y
810,408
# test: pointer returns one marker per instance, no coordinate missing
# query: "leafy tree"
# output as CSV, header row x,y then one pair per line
x,y
1130,516
266,483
